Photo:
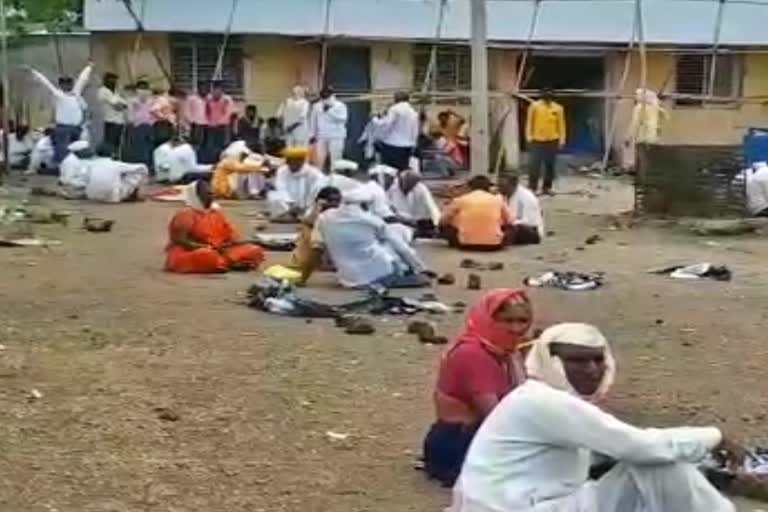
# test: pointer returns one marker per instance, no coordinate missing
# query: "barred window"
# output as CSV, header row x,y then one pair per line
x,y
194,59
693,72
453,69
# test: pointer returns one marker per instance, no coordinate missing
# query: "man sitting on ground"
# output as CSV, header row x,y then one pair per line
x,y
74,170
176,162
41,159
239,174
529,222
361,247
479,220
202,240
295,187
113,181
414,205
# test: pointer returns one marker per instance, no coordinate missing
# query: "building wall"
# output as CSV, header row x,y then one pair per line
x,y
704,125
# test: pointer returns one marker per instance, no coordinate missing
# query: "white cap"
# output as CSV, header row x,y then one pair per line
x,y
78,145
344,166
382,169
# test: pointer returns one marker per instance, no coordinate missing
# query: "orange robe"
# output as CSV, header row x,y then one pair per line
x,y
212,228
221,183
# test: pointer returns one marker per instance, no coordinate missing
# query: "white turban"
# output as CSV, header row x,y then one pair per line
x,y
344,166
78,145
358,195
236,149
382,169
542,365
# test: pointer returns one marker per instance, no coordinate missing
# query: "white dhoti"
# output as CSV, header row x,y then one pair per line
x,y
279,203
328,148
628,488
130,181
400,231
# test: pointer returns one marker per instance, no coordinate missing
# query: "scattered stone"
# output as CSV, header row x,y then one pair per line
x,y
34,395
474,282
336,436
426,332
580,248
659,321
308,321
98,225
459,305
686,343
345,320
428,297
446,279
468,263
551,233
360,326
592,240
495,265
746,418
166,414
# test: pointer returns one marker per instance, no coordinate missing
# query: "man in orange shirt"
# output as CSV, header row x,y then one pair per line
x,y
479,220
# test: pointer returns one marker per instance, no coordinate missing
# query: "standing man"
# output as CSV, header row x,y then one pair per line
x,y
141,131
69,111
397,132
194,116
328,128
295,115
113,110
219,108
545,133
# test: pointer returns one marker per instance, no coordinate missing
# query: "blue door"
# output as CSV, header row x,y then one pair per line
x,y
348,70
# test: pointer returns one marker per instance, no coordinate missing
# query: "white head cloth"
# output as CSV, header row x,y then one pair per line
x,y
382,169
542,365
236,149
344,166
78,145
357,195
647,96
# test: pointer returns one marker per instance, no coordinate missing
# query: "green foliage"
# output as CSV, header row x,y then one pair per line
x,y
54,15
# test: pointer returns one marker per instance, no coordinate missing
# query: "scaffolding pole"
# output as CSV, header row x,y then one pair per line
x,y
479,154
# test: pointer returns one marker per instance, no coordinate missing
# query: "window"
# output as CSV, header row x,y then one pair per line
x,y
453,69
693,77
194,59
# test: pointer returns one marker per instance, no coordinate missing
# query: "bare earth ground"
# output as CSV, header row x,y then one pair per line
x,y
107,338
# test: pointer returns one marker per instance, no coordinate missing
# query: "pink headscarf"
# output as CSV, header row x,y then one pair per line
x,y
481,327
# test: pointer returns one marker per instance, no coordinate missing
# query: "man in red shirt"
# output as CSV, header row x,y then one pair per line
x,y
219,108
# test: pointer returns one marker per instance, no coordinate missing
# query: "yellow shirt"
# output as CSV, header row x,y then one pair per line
x,y
479,218
545,123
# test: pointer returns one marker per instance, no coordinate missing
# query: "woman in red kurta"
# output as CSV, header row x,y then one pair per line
x,y
202,241
476,372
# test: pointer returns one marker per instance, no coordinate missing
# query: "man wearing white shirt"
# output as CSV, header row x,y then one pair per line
x,y
294,112
757,189
74,170
413,203
112,181
176,162
526,208
41,159
397,132
328,128
69,109
113,110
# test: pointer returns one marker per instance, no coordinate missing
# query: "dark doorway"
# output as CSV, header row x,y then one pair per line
x,y
584,116
348,70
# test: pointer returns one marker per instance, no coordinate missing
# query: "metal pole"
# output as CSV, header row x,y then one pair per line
x,y
6,84
479,157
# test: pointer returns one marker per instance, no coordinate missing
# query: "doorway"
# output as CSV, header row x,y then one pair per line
x,y
584,117
348,70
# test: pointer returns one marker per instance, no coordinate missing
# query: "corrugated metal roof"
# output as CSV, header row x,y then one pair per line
x,y
672,22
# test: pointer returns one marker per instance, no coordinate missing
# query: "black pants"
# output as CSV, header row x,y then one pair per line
x,y
216,140
113,135
424,228
63,136
543,154
525,235
397,157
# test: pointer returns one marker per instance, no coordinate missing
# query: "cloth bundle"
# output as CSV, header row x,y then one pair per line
x,y
571,281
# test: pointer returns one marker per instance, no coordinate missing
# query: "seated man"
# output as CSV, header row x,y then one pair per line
x,y
529,222
532,453
203,241
74,170
479,220
414,205
176,162
295,187
361,247
41,158
113,181
239,174
301,255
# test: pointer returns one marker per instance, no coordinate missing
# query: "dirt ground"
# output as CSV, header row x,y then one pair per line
x,y
112,344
